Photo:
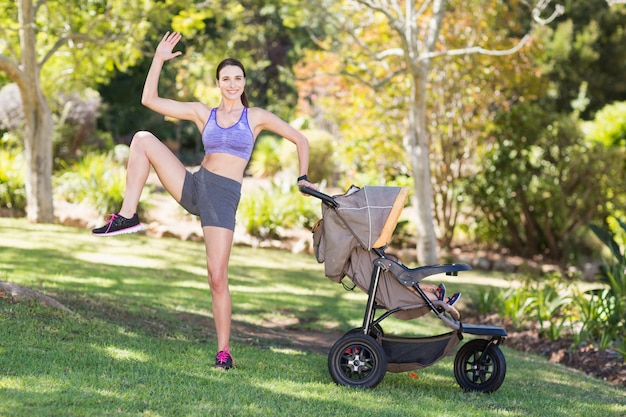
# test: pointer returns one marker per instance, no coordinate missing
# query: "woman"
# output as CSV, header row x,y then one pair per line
x,y
228,134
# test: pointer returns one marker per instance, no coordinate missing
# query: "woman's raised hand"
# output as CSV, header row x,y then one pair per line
x,y
167,44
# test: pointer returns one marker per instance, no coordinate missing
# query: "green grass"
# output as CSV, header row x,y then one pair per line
x,y
140,341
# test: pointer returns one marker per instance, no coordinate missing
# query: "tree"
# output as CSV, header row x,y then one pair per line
x,y
587,54
465,93
50,46
403,57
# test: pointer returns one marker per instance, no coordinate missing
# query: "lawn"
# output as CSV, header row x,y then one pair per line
x,y
140,340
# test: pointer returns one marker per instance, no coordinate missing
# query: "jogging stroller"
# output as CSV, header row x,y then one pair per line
x,y
350,240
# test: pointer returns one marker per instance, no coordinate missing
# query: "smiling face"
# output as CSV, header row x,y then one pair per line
x,y
231,82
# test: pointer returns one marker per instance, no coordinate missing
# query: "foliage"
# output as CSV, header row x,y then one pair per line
x,y
268,212
265,161
602,320
588,47
12,182
465,94
267,37
97,180
60,46
558,308
551,306
322,156
611,303
394,90
488,300
274,155
81,43
614,274
541,184
545,303
609,125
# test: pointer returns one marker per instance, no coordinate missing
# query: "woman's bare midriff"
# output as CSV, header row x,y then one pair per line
x,y
226,165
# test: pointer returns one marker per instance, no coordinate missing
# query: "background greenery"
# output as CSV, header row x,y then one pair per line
x,y
526,149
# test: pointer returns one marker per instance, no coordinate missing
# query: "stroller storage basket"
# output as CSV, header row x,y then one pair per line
x,y
407,354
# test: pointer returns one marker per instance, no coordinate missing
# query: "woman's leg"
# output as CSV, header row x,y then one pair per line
x,y
145,150
218,242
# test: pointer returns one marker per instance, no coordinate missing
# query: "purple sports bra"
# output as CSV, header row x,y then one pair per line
x,y
237,140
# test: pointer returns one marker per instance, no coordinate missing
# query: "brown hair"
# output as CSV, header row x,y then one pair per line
x,y
236,63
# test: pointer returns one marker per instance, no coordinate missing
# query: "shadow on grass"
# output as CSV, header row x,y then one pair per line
x,y
142,343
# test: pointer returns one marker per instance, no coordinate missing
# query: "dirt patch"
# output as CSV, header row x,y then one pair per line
x,y
603,364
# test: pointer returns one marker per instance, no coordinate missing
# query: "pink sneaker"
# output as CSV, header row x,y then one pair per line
x,y
118,225
224,360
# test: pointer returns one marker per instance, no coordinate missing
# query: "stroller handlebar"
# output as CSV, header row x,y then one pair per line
x,y
318,194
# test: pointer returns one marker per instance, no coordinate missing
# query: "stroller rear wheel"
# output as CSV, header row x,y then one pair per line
x,y
357,360
480,366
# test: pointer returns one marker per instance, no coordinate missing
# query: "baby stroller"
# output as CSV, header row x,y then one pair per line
x,y
350,240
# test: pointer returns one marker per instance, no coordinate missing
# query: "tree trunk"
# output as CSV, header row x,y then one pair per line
x,y
417,144
417,141
38,150
38,125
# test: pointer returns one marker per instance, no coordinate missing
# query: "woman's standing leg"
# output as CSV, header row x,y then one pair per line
x,y
218,242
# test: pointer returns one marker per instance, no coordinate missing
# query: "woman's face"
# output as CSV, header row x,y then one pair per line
x,y
231,82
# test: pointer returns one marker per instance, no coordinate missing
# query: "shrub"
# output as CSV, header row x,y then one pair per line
x,y
97,180
12,181
322,163
272,155
609,125
541,184
265,160
266,213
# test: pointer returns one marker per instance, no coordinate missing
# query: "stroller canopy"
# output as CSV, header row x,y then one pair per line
x,y
365,217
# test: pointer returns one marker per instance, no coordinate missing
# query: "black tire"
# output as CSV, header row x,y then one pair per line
x,y
357,360
479,366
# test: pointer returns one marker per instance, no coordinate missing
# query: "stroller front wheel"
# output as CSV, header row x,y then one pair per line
x,y
357,360
480,366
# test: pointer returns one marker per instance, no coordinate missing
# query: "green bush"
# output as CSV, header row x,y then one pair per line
x,y
322,163
609,125
97,180
12,181
541,183
272,155
266,213
265,160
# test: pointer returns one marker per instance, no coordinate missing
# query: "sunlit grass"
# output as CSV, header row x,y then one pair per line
x,y
140,341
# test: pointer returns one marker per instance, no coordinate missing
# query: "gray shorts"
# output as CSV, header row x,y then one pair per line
x,y
212,197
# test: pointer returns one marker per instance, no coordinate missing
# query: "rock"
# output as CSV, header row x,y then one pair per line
x,y
22,293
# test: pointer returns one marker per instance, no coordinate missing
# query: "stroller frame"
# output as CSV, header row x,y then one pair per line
x,y
362,356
